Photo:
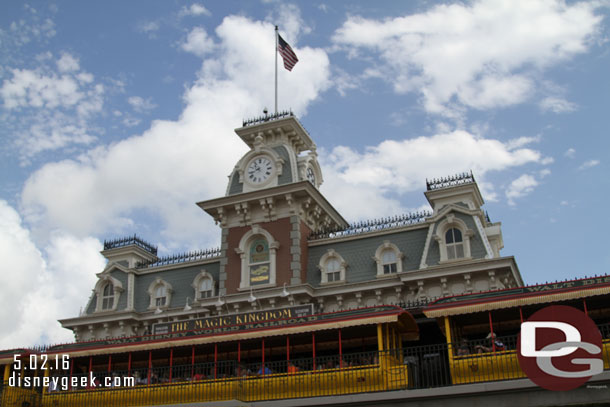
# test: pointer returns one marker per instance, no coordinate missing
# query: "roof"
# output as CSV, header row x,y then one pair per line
x,y
272,327
515,297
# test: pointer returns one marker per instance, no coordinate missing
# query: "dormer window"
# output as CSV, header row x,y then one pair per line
x,y
333,270
453,237
160,296
203,285
206,288
388,258
454,244
160,292
107,293
332,267
108,297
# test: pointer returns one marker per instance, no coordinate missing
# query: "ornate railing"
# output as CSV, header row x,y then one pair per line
x,y
283,377
267,118
451,181
411,305
373,225
181,258
130,240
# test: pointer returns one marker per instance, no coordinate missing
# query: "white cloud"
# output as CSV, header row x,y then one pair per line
x,y
34,293
67,63
520,187
397,167
589,164
197,42
51,106
31,27
140,104
29,88
172,165
557,105
195,9
522,141
570,152
57,132
149,28
482,55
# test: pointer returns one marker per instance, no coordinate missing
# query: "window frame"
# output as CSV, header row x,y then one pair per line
x,y
243,250
332,255
453,222
199,279
106,279
387,246
152,293
107,297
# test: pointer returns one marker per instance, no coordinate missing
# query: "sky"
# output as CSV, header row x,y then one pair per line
x,y
116,117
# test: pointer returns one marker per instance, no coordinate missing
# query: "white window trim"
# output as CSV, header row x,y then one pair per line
x,y
203,274
378,258
151,293
332,254
242,250
451,222
99,291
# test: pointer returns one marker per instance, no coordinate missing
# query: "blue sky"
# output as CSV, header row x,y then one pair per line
x,y
118,116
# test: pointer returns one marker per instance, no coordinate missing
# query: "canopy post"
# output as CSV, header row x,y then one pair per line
x,y
215,360
313,341
491,332
584,303
192,362
149,366
263,364
340,351
171,364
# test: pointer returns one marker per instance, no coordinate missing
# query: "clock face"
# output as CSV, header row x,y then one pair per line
x,y
259,170
311,177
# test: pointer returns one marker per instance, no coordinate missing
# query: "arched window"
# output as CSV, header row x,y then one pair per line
x,y
160,293
257,250
108,290
206,288
453,237
388,258
203,284
333,270
388,261
160,296
259,261
454,244
332,267
108,296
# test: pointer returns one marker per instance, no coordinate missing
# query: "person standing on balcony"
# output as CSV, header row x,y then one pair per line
x,y
264,370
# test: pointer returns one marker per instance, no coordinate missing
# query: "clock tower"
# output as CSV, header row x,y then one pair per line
x,y
271,206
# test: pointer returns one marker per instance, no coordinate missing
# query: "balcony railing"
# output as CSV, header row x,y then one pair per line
x,y
128,241
417,367
373,225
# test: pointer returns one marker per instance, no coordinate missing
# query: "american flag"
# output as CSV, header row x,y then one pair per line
x,y
290,58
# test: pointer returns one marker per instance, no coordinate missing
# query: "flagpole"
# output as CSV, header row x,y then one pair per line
x,y
276,34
